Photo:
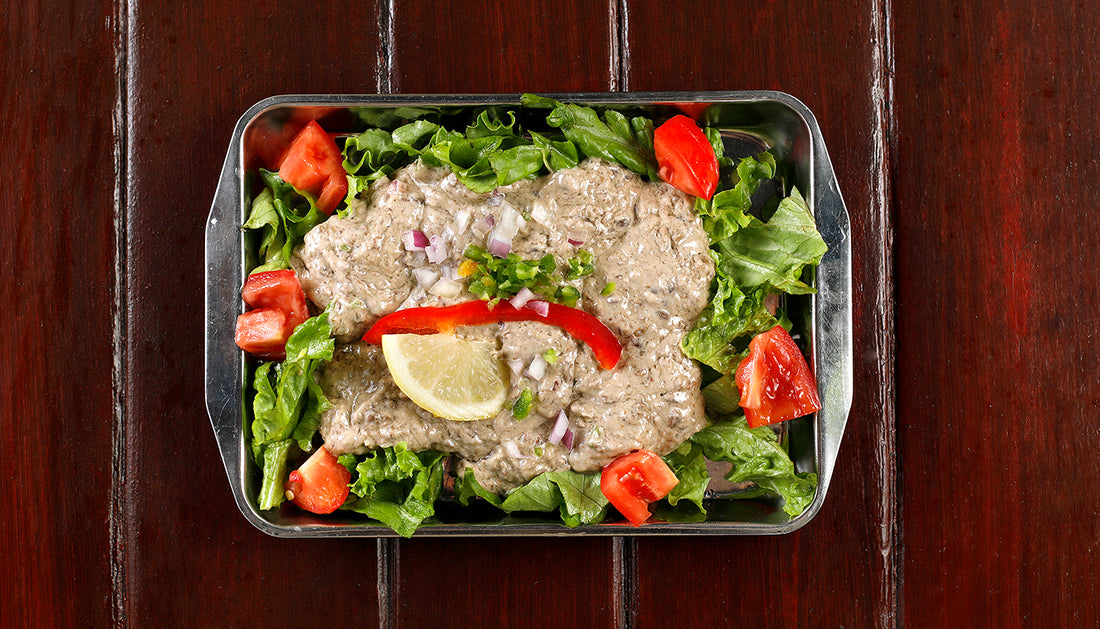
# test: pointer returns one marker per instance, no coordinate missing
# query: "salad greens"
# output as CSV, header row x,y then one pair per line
x,y
395,486
761,248
287,406
493,278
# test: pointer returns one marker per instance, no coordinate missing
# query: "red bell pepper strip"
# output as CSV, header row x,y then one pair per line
x,y
432,320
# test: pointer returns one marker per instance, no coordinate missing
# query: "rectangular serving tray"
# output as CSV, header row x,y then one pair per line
x,y
750,121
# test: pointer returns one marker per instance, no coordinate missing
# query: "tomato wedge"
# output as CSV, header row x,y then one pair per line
x,y
634,481
320,485
262,333
775,381
314,165
432,320
278,306
276,289
685,158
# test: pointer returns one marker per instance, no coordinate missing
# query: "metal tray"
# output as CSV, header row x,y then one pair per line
x,y
750,122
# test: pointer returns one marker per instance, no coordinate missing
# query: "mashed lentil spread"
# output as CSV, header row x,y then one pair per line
x,y
646,240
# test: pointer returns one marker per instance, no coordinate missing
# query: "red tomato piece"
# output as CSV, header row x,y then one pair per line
x,y
311,162
333,192
635,480
320,485
685,158
277,289
775,382
262,333
278,306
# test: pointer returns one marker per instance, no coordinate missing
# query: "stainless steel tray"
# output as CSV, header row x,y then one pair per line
x,y
750,121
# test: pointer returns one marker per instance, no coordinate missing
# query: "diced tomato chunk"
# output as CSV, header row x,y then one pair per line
x,y
320,485
685,158
333,192
277,289
314,165
635,480
278,306
262,333
775,381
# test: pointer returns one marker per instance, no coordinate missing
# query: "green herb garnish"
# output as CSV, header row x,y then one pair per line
x,y
521,408
496,278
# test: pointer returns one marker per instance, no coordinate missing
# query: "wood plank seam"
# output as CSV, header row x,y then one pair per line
x,y
384,63
884,337
117,508
387,578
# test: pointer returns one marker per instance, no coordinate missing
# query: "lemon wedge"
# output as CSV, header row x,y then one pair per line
x,y
448,376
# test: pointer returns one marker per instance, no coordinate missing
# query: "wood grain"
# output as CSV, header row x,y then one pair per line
x,y
490,47
839,567
964,144
57,144
997,242
186,551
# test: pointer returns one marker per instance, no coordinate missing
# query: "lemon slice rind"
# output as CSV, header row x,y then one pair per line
x,y
448,376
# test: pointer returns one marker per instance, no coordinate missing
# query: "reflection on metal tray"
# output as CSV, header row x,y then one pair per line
x,y
749,122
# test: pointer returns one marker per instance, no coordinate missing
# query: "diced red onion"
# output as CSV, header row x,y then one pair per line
x,y
512,449
541,308
415,240
522,297
490,220
575,238
537,369
561,426
515,365
425,277
436,250
567,439
500,248
446,288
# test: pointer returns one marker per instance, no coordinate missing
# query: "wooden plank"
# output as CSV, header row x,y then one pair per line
x,y
997,247
57,143
185,550
489,47
840,567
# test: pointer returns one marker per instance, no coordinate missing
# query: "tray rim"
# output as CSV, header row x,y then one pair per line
x,y
824,197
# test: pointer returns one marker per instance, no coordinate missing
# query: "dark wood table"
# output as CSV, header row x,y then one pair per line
x,y
965,143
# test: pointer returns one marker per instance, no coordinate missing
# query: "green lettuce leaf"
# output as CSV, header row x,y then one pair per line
x,y
283,215
288,403
273,464
377,153
759,458
576,496
724,328
467,488
728,210
689,465
614,137
773,254
397,487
